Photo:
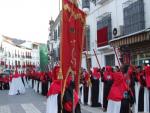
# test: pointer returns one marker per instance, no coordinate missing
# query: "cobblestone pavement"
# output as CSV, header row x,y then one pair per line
x,y
30,102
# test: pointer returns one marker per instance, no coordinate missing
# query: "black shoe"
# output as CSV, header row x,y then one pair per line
x,y
18,93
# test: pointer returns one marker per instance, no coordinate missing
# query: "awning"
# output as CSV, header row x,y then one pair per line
x,y
137,37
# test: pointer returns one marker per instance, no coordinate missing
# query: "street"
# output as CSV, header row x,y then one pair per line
x,y
30,102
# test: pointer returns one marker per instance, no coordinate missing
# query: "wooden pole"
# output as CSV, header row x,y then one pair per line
x,y
61,23
117,56
87,62
96,58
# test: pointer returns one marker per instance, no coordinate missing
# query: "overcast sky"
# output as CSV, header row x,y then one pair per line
x,y
27,19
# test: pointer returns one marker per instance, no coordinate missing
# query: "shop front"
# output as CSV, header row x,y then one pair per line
x,y
140,53
134,48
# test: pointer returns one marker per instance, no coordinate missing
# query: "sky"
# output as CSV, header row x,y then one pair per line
x,y
27,19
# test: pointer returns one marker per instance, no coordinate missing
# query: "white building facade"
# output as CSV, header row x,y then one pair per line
x,y
107,20
18,55
54,42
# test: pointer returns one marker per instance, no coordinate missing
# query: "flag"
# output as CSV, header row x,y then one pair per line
x,y
72,37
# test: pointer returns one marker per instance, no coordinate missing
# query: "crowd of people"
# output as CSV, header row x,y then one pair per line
x,y
47,84
115,90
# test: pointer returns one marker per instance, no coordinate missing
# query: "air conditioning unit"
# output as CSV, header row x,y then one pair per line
x,y
86,6
86,10
101,1
118,31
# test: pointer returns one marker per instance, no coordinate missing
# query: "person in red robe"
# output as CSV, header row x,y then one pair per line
x,y
116,93
95,87
142,81
107,79
54,96
17,86
44,79
128,96
70,99
54,93
85,82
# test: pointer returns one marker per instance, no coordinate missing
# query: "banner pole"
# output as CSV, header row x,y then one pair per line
x,y
61,23
116,56
96,58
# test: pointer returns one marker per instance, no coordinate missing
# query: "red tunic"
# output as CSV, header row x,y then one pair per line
x,y
141,78
55,88
16,75
147,72
68,105
108,73
1,79
118,88
6,79
95,73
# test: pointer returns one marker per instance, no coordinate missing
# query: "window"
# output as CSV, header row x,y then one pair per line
x,y
35,46
104,30
54,54
85,4
102,37
86,46
110,60
134,17
55,35
59,31
15,62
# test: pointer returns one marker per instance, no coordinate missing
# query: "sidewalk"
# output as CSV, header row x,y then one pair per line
x,y
90,109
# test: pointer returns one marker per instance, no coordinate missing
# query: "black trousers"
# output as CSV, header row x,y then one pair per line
x,y
6,86
125,106
86,89
141,100
95,93
107,87
23,81
0,85
32,83
44,88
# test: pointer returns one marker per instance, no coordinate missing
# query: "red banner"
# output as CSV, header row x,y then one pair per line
x,y
73,22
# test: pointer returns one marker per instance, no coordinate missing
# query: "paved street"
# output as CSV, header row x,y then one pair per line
x,y
31,102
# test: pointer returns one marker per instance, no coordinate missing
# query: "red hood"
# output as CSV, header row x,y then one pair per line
x,y
55,88
96,73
